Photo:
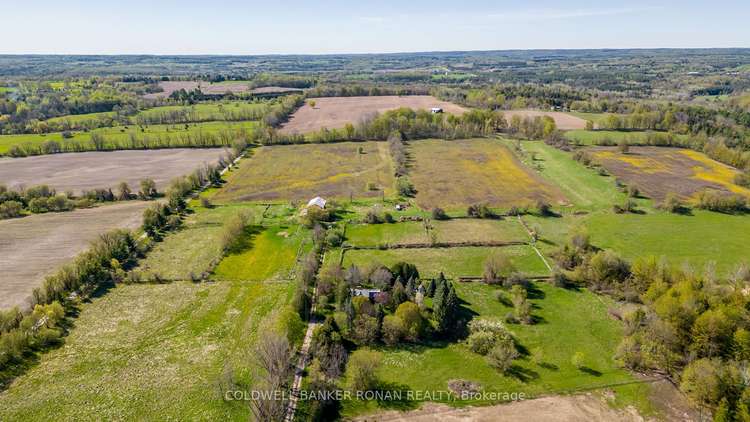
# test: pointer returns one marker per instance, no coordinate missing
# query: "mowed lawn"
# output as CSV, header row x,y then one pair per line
x,y
301,172
191,249
264,253
453,262
455,174
568,322
443,231
152,351
694,239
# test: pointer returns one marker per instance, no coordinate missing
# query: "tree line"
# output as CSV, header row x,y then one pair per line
x,y
41,199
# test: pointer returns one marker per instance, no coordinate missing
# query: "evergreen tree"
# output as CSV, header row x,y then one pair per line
x,y
399,295
430,291
445,307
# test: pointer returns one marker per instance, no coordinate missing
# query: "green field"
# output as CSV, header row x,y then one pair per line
x,y
141,349
696,239
583,187
122,134
191,249
595,118
445,231
453,262
266,253
569,322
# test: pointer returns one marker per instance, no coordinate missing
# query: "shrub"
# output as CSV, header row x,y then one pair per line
x,y
672,204
11,209
633,191
543,208
38,205
720,202
495,268
501,356
439,214
480,211
405,187
481,342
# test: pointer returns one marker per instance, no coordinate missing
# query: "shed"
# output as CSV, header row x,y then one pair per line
x,y
318,202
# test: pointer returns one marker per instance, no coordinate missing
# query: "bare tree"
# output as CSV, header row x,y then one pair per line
x,y
273,355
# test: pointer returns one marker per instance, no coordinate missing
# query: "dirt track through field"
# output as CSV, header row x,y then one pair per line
x,y
336,112
562,120
89,170
35,246
585,407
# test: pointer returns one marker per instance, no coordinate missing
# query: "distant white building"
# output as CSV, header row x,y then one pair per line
x,y
315,202
318,202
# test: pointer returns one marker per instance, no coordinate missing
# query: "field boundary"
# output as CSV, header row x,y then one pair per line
x,y
440,245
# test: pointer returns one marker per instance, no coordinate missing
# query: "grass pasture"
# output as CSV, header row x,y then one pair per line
x,y
301,172
265,253
146,348
695,239
336,112
453,262
568,322
658,171
455,174
192,248
448,231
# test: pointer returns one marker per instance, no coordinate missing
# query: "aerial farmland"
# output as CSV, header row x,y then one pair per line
x,y
456,235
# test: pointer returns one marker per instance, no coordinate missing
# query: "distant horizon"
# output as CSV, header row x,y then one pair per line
x,y
296,27
2,54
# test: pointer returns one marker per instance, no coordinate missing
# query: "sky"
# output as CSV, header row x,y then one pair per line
x,y
351,26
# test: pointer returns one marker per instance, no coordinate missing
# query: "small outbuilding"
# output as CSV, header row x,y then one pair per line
x,y
317,202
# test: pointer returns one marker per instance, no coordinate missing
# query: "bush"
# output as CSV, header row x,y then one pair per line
x,y
672,204
480,211
543,208
720,202
439,214
10,209
38,205
495,268
481,342
405,187
501,356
